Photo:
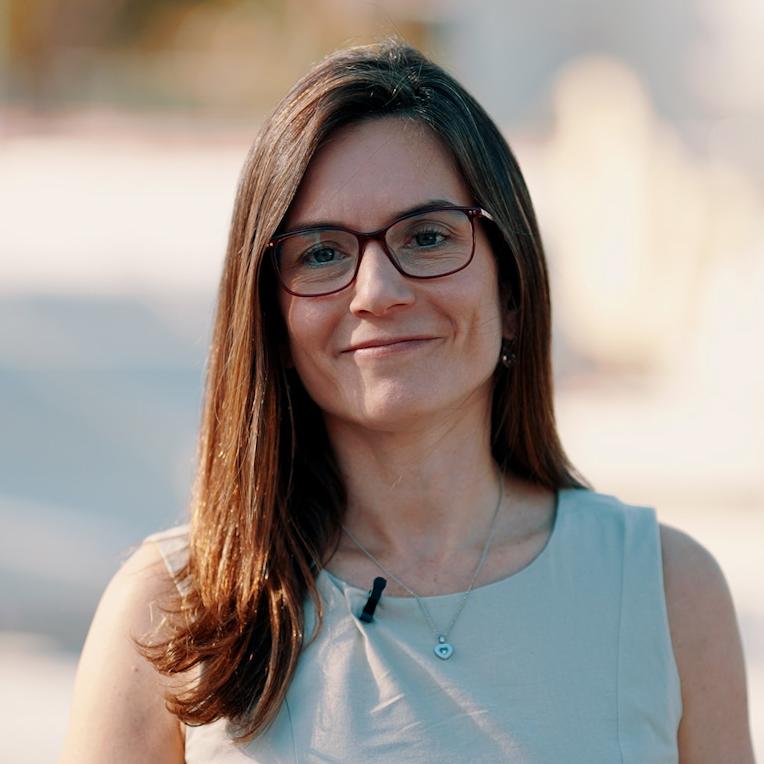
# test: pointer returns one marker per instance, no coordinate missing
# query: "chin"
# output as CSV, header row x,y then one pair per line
x,y
397,418
400,409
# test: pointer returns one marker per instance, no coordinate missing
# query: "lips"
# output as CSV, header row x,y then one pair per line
x,y
382,342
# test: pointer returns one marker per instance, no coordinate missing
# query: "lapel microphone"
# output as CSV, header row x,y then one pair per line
x,y
367,616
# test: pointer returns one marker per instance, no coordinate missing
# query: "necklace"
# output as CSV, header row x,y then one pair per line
x,y
443,649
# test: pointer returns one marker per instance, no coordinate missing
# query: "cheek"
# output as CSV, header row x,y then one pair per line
x,y
482,307
313,342
302,323
310,327
484,342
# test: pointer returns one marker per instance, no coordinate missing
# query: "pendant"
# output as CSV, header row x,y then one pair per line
x,y
443,649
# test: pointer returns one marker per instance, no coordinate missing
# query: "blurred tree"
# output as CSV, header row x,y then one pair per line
x,y
211,55
40,32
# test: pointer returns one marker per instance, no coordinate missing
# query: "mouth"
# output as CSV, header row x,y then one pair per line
x,y
385,345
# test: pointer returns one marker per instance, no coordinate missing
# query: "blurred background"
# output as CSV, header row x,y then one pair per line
x,y
123,127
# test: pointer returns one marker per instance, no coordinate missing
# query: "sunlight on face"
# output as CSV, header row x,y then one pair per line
x,y
389,352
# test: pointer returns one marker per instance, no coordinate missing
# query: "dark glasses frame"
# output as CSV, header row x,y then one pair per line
x,y
364,237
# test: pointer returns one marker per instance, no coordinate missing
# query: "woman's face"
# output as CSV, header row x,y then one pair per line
x,y
391,352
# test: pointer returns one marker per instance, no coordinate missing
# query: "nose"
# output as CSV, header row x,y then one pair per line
x,y
379,286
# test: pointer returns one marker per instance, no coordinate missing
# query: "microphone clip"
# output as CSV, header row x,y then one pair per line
x,y
367,616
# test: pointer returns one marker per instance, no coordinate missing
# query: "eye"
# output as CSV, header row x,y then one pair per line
x,y
319,255
429,238
426,238
322,254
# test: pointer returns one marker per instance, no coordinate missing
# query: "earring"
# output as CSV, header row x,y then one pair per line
x,y
508,356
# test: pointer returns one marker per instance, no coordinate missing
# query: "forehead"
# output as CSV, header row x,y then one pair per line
x,y
367,173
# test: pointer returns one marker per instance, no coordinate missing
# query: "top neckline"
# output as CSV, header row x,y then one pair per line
x,y
526,569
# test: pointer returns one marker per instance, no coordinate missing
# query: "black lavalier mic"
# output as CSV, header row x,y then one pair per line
x,y
367,616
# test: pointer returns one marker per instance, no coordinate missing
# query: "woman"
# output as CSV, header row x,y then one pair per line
x,y
379,413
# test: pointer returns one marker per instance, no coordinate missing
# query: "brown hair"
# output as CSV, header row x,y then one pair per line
x,y
268,498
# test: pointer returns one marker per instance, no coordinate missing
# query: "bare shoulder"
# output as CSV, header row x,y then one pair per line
x,y
118,709
708,651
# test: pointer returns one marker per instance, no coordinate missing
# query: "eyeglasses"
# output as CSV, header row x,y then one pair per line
x,y
425,244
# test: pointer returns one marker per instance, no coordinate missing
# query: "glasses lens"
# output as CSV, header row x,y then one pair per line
x,y
317,261
432,243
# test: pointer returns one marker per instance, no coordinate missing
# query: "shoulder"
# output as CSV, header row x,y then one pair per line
x,y
696,590
708,652
684,559
172,547
601,515
585,502
118,708
146,582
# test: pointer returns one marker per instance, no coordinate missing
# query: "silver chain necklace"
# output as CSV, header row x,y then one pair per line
x,y
443,649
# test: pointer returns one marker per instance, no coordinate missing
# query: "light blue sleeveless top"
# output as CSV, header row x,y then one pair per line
x,y
568,661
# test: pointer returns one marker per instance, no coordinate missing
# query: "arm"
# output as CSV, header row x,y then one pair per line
x,y
118,713
709,655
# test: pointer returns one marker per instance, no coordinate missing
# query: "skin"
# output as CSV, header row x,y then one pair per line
x,y
409,423
401,416
390,389
118,712
708,652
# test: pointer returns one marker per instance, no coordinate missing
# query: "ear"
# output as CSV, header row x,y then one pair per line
x,y
509,324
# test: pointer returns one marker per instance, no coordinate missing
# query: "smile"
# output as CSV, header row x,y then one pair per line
x,y
384,347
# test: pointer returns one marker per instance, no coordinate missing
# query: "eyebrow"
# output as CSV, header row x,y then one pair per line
x,y
399,214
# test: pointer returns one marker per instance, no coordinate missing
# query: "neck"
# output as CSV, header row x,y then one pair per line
x,y
424,494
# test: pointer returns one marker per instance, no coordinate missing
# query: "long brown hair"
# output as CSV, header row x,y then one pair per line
x,y
268,499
